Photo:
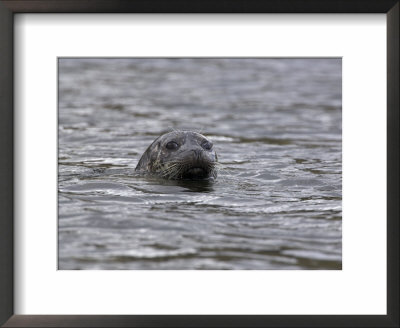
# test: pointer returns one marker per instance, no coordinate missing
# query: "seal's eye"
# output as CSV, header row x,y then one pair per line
x,y
172,145
207,145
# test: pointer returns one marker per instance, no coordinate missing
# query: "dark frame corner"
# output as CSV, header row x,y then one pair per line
x,y
10,7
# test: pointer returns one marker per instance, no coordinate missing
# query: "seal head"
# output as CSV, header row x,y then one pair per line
x,y
180,155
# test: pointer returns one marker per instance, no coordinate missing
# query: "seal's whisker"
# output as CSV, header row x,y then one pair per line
x,y
173,170
169,170
177,172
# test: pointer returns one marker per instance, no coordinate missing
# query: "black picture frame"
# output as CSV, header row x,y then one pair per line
x,y
10,7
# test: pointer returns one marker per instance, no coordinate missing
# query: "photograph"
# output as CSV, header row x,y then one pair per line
x,y
201,163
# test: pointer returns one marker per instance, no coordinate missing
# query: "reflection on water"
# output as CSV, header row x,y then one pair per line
x,y
276,126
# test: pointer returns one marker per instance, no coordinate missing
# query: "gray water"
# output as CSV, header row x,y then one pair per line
x,y
276,126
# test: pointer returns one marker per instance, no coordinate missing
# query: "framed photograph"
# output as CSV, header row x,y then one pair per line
x,y
199,165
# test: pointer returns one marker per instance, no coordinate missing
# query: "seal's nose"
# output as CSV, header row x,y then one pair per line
x,y
197,154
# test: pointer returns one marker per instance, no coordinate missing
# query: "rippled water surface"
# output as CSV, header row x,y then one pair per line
x,y
276,126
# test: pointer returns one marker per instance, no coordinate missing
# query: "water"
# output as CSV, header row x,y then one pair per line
x,y
276,126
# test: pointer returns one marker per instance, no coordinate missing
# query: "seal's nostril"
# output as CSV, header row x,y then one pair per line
x,y
207,145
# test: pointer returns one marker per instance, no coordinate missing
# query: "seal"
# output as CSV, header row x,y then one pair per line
x,y
178,155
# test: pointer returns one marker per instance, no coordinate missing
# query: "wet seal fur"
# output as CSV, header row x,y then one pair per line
x,y
178,155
